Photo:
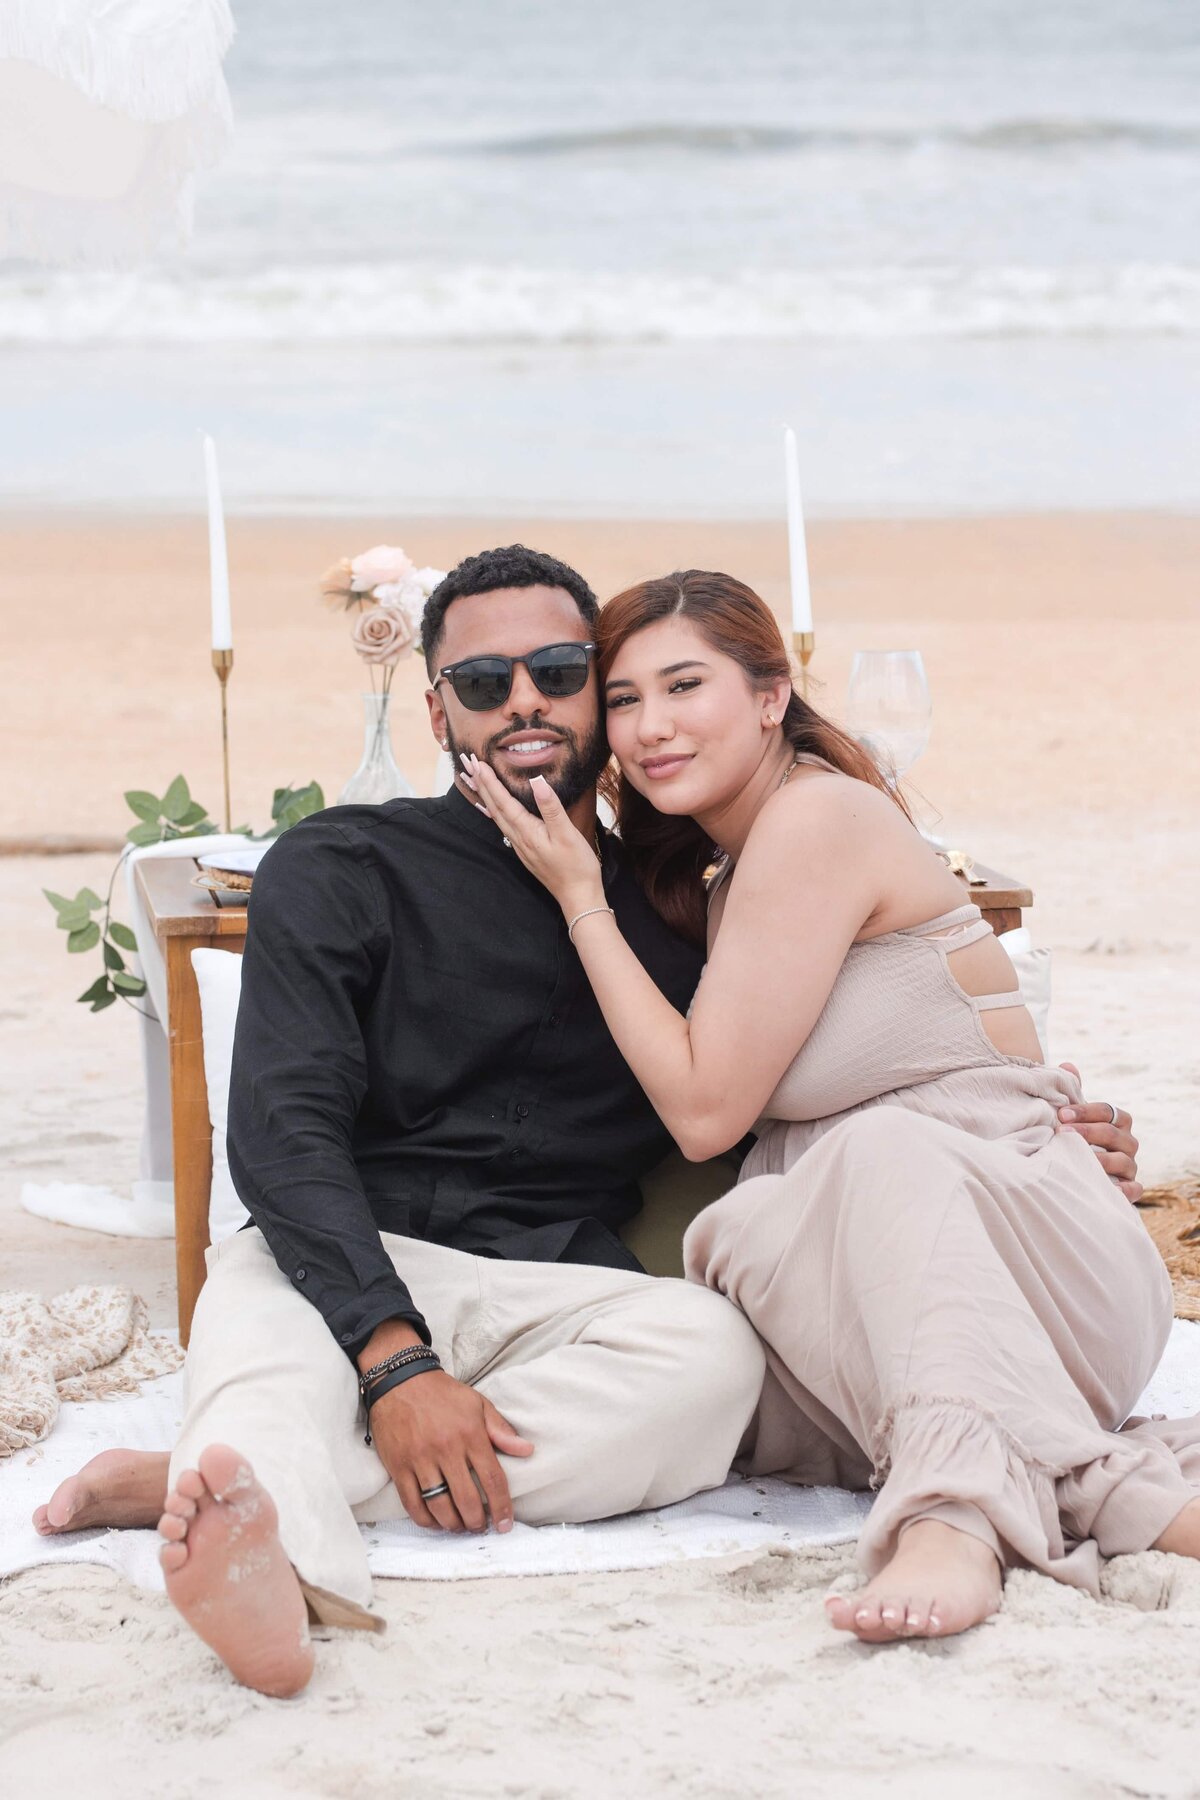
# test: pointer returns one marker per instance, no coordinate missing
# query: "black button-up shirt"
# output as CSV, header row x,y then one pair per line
x,y
419,1051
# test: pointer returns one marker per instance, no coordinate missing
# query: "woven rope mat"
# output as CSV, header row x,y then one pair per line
x,y
1172,1217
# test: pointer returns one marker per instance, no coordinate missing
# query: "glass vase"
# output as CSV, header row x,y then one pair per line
x,y
377,777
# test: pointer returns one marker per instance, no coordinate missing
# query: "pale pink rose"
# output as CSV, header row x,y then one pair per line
x,y
382,564
383,634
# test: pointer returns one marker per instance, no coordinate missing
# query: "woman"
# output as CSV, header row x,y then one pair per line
x,y
959,1307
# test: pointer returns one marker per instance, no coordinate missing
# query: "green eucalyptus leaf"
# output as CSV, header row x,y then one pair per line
x,y
72,918
85,897
57,901
98,987
176,800
144,834
109,999
293,804
85,939
146,806
129,984
192,816
121,934
113,958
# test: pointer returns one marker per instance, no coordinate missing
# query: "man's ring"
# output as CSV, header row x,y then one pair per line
x,y
433,1493
1112,1109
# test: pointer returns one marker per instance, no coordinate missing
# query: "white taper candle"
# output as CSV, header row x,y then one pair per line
x,y
218,558
802,619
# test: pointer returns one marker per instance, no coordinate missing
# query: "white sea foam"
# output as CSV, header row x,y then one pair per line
x,y
394,303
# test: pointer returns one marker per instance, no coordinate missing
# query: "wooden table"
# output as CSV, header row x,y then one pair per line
x,y
185,918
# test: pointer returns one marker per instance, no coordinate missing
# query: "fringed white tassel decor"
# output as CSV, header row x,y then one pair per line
x,y
108,108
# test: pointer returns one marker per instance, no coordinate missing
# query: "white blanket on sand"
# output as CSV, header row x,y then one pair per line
x,y
743,1515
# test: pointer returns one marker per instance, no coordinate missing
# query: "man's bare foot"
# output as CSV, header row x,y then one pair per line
x,y
118,1487
939,1582
228,1575
1182,1536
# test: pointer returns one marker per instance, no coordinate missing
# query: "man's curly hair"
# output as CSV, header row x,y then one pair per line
x,y
514,566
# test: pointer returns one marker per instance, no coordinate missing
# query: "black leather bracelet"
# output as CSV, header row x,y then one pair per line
x,y
398,1360
393,1379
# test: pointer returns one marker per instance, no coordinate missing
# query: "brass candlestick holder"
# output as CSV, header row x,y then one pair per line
x,y
804,643
222,662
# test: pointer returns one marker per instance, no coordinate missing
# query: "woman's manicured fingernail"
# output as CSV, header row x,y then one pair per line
x,y
480,807
467,782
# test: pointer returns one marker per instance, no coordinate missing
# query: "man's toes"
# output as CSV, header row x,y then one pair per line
x,y
172,1557
191,1485
172,1527
180,1505
225,1472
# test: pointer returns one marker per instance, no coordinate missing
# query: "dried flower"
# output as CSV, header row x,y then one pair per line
x,y
383,634
375,568
336,584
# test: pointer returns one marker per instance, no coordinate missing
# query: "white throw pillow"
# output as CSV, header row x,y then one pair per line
x,y
219,978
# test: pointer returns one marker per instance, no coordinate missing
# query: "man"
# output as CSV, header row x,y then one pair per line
x,y
438,1144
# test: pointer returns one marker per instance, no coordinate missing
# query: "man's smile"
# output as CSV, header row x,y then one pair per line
x,y
529,749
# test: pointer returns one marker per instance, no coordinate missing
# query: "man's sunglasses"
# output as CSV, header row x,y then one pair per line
x,y
483,683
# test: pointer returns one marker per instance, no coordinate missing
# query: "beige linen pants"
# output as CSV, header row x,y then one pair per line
x,y
635,1392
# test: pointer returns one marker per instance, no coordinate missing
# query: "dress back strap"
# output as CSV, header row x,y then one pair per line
x,y
964,925
993,1002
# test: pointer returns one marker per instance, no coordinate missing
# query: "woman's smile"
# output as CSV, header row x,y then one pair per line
x,y
660,767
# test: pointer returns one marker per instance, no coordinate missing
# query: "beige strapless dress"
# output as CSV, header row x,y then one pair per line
x,y
960,1308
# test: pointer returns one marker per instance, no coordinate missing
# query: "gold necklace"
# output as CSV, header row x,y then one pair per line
x,y
721,857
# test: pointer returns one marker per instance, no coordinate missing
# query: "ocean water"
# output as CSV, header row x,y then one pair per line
x,y
590,258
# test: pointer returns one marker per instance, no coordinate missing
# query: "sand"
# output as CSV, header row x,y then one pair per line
x,y
1062,654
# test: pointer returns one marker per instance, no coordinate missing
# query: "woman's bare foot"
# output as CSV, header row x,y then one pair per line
x,y
118,1487
1182,1536
228,1575
939,1582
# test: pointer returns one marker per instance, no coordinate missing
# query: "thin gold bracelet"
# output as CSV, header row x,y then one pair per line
x,y
586,915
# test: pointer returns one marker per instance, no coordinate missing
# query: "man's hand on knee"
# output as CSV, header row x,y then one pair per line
x,y
1110,1133
433,1430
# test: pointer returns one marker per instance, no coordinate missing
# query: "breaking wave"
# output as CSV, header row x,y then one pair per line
x,y
398,304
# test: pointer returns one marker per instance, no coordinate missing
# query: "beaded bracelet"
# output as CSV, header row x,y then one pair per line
x,y
397,1360
424,1366
585,915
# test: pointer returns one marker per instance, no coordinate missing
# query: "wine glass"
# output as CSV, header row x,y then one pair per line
x,y
888,707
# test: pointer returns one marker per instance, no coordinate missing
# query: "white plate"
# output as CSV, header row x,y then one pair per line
x,y
237,862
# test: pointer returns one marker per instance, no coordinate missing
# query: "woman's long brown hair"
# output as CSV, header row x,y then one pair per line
x,y
670,853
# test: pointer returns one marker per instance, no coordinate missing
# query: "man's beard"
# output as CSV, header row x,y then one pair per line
x,y
573,777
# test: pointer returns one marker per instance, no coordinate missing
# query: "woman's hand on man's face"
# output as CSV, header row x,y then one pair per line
x,y
547,842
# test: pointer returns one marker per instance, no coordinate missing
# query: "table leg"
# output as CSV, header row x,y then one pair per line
x,y
191,1133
